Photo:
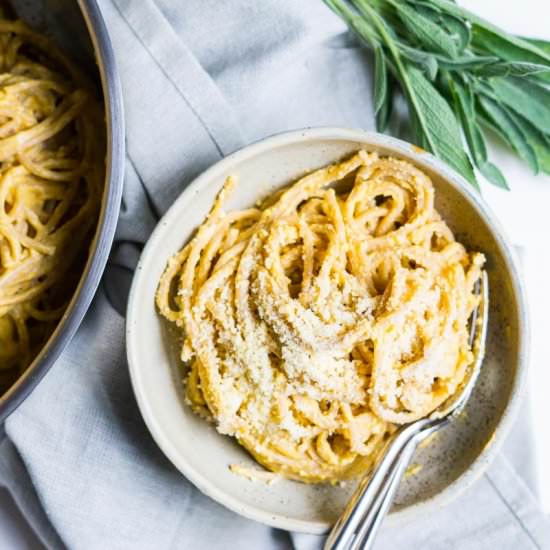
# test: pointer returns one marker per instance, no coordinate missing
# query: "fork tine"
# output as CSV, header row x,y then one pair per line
x,y
481,289
473,321
478,334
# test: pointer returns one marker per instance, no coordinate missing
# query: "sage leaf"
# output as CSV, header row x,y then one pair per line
x,y
464,101
513,45
493,175
526,98
538,141
511,130
466,63
439,124
384,114
510,68
466,113
428,32
510,49
426,62
491,125
380,79
457,29
361,26
543,45
426,4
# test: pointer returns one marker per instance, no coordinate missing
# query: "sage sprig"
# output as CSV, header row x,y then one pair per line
x,y
460,76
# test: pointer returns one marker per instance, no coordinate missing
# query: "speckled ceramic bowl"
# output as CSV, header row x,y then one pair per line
x,y
450,463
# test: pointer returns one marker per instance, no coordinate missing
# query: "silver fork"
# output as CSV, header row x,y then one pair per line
x,y
358,525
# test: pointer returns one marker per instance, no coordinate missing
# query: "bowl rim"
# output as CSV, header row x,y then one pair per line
x,y
100,246
424,160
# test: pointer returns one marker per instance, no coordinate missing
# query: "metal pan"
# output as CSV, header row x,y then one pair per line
x,y
79,29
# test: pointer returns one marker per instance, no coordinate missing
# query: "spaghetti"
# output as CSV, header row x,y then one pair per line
x,y
317,322
51,177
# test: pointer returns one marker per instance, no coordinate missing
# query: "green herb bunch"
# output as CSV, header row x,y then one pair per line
x,y
460,76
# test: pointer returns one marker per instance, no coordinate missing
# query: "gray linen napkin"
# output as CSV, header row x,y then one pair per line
x,y
200,79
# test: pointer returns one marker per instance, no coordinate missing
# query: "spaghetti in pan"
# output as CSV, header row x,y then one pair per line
x,y
52,168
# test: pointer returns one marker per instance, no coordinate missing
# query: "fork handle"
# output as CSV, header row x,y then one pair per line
x,y
368,529
347,527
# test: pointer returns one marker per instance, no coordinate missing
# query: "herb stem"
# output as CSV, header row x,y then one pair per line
x,y
458,73
363,5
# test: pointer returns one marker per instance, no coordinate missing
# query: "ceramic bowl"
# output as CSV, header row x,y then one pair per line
x,y
450,463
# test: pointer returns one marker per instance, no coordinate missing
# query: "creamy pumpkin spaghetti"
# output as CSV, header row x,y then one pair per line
x,y
316,322
51,176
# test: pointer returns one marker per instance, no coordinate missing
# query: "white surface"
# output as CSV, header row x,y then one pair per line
x,y
525,214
